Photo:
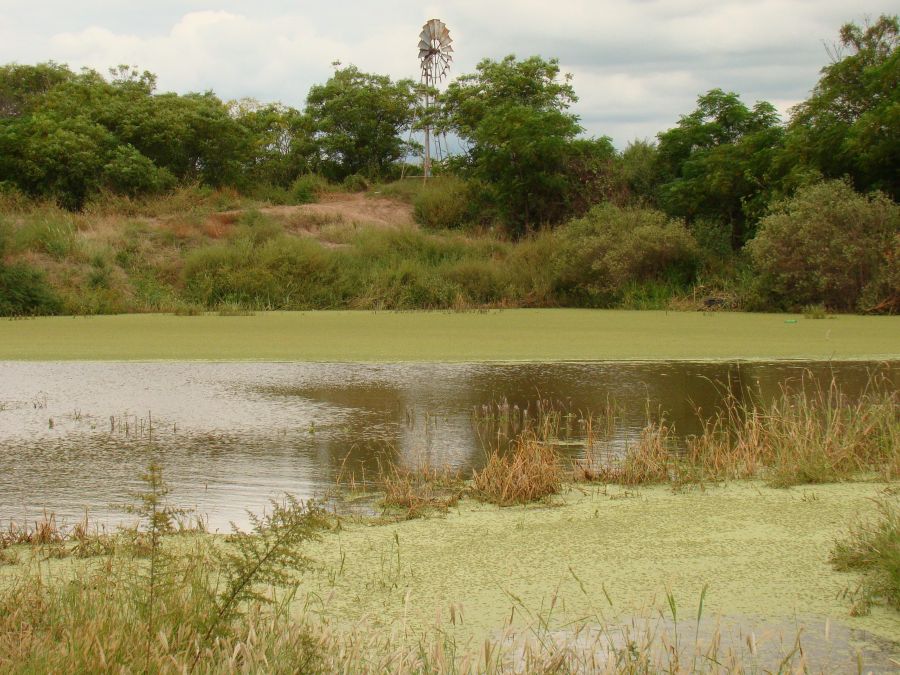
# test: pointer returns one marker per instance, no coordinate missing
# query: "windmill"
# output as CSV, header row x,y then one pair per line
x,y
435,56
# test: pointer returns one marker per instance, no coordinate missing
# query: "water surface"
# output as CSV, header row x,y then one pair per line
x,y
74,436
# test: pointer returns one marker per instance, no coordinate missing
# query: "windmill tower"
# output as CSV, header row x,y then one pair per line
x,y
435,56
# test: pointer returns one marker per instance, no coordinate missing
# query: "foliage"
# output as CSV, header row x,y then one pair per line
x,y
24,291
829,245
873,548
716,163
513,116
281,142
357,120
308,188
611,247
849,126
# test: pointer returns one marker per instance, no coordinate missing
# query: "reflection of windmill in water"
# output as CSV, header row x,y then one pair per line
x,y
435,56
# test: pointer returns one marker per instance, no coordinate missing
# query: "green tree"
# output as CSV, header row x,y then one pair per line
x,y
850,126
358,120
717,162
513,115
281,141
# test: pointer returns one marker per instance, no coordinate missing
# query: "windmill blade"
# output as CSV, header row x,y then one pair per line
x,y
423,44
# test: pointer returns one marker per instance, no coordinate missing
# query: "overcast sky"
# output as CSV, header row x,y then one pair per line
x,y
638,64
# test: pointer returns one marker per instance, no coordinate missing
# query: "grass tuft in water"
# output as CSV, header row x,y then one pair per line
x,y
529,471
872,547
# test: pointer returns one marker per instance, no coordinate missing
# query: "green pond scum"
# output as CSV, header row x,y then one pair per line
x,y
603,553
505,335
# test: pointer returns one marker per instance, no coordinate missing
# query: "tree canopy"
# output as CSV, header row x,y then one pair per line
x,y
358,119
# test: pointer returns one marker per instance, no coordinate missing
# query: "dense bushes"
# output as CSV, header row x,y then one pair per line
x,y
600,255
830,245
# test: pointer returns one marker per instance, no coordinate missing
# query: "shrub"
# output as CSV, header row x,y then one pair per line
x,y
355,183
25,291
131,173
443,203
308,188
611,247
829,245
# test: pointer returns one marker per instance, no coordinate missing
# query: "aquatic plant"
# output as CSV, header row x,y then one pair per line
x,y
872,547
529,471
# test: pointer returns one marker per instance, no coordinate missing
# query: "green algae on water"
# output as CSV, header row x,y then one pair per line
x,y
508,335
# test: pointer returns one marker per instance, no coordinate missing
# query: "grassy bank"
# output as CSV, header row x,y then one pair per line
x,y
510,335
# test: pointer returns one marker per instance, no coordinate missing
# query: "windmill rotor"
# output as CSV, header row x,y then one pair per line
x,y
435,51
435,57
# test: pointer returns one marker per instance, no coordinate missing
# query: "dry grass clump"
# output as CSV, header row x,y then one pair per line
x,y
529,471
421,489
652,459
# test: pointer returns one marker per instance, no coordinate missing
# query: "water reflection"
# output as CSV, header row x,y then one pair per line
x,y
75,436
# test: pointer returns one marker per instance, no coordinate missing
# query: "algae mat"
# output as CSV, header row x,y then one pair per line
x,y
508,335
602,553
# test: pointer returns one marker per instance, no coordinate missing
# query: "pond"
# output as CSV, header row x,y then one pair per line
x,y
75,436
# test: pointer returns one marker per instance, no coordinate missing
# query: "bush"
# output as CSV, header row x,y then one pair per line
x,y
600,255
355,183
308,188
130,173
443,203
829,245
24,291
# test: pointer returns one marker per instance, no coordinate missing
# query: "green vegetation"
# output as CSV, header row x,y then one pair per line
x,y
730,209
873,548
832,246
515,335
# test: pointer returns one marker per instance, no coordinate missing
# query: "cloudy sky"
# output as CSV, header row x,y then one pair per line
x,y
638,64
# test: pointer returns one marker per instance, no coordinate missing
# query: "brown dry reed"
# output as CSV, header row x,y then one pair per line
x,y
529,471
814,434
419,490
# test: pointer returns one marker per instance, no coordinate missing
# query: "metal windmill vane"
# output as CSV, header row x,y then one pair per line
x,y
435,57
435,51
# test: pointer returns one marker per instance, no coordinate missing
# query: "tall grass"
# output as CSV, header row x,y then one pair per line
x,y
803,436
872,547
164,606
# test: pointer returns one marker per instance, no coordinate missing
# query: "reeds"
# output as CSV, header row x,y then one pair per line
x,y
419,490
529,471
802,436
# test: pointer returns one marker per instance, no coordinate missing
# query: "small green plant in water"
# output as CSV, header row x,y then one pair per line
x,y
873,547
